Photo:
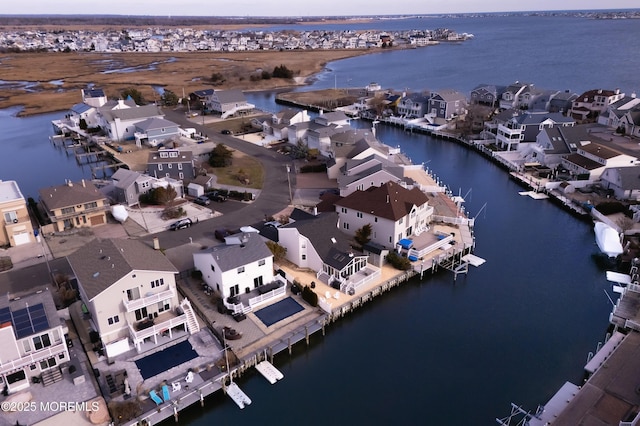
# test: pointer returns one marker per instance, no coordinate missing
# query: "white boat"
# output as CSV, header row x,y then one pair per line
x,y
608,239
119,213
271,373
238,396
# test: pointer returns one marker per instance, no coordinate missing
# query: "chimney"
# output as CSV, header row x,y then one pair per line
x,y
83,184
388,199
315,211
156,243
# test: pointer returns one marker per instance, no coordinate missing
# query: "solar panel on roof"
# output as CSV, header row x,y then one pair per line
x,y
29,320
5,315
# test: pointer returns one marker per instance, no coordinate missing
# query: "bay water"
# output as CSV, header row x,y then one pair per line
x,y
435,351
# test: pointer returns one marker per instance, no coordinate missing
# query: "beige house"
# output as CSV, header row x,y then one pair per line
x,y
74,205
33,344
129,291
16,224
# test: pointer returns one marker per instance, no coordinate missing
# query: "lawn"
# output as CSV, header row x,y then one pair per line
x,y
243,167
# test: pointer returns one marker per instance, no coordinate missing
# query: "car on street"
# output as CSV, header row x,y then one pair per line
x,y
226,132
180,224
202,200
216,196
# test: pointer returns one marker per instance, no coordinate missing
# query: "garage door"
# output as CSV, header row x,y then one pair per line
x,y
21,238
96,220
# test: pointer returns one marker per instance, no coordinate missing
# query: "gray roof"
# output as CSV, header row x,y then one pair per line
x,y
629,177
70,194
102,262
182,157
322,231
230,96
155,123
124,178
141,112
333,116
233,256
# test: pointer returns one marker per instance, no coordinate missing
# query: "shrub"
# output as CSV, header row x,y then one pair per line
x,y
310,296
611,207
313,168
398,262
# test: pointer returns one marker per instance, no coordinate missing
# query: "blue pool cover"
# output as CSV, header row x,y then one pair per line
x,y
278,311
154,364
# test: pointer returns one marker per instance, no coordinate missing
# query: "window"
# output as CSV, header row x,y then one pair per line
x,y
304,257
10,217
113,320
92,205
133,293
42,341
141,313
257,282
144,185
179,166
159,166
68,210
169,165
344,210
164,155
181,175
157,283
213,268
241,269
345,225
375,219
400,221
173,154
261,262
164,306
32,367
61,356
359,214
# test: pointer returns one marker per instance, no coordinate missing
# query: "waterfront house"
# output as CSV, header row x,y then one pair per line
x,y
33,344
129,291
173,163
589,105
74,205
16,223
561,102
355,144
361,174
129,185
94,97
83,115
201,98
445,105
624,181
413,105
486,94
229,103
630,122
591,159
509,97
240,271
524,126
119,123
279,123
613,114
155,131
553,143
393,212
317,243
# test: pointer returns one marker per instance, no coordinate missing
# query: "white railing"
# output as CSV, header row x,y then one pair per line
x,y
440,243
452,220
32,358
356,284
267,296
132,305
632,324
138,336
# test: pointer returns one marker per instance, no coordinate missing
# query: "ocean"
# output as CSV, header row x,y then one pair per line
x,y
438,352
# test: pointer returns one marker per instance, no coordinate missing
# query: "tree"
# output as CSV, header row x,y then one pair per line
x,y
278,251
378,104
135,95
216,77
363,235
165,195
282,71
301,150
169,98
220,156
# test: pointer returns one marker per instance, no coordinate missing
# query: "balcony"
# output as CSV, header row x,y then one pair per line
x,y
150,299
165,322
77,213
32,358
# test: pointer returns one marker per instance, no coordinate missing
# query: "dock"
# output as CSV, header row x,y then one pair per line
x,y
238,396
271,373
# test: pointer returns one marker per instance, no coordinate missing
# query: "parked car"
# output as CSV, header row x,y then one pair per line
x,y
202,200
220,233
216,196
180,224
226,132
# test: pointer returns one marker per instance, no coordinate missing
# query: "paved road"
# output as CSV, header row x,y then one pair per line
x,y
273,198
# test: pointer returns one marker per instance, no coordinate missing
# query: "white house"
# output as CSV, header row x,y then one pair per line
x,y
393,212
32,336
592,159
130,292
120,123
279,123
241,271
624,181
362,174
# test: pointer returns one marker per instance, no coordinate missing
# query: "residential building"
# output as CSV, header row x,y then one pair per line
x,y
82,112
561,102
445,105
279,123
238,267
74,205
229,103
174,163
614,113
362,174
509,97
94,97
33,340
624,181
317,243
524,126
16,223
591,159
630,122
393,212
129,185
486,94
119,122
554,143
129,290
156,131
589,105
413,105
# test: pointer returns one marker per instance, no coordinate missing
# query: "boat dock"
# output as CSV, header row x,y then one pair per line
x,y
271,373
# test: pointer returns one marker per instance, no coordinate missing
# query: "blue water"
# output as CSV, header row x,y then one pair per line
x,y
437,352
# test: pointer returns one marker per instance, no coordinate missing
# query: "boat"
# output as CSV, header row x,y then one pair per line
x,y
608,240
120,213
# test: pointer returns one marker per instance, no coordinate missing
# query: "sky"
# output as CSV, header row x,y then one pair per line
x,y
295,7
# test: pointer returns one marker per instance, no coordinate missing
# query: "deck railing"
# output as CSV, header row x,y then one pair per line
x,y
32,358
132,305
